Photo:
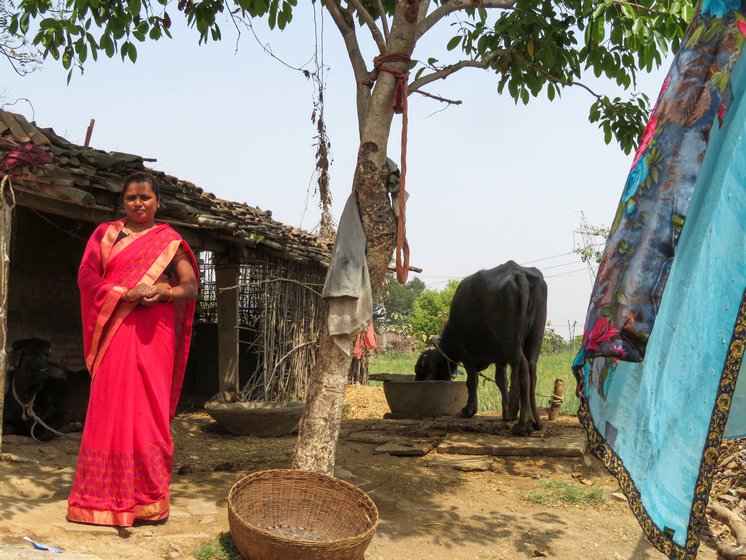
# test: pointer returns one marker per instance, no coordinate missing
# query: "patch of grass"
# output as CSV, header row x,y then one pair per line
x,y
550,367
563,492
221,548
392,362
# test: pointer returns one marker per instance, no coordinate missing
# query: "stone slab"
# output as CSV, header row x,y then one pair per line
x,y
406,449
370,436
485,444
464,463
202,507
86,528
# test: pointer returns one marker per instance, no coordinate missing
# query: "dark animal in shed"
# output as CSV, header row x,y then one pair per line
x,y
497,316
39,392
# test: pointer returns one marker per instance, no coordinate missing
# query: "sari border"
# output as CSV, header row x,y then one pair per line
x,y
109,239
107,309
130,239
125,308
149,512
614,464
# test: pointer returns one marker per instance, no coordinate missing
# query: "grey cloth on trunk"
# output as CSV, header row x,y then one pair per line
x,y
347,286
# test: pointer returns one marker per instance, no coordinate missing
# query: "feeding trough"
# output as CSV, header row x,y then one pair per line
x,y
409,398
300,515
257,418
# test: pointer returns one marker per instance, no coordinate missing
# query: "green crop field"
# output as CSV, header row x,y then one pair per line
x,y
549,368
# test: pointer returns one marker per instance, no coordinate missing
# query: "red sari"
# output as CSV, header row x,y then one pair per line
x,y
136,356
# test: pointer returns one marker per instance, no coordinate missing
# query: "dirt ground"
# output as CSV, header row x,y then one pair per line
x,y
428,511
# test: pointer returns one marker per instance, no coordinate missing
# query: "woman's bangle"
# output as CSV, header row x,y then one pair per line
x,y
170,295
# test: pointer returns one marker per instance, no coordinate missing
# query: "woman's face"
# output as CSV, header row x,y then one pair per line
x,y
140,203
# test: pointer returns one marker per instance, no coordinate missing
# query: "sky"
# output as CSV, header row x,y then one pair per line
x,y
489,180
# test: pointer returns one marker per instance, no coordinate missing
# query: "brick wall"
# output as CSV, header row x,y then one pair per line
x,y
43,298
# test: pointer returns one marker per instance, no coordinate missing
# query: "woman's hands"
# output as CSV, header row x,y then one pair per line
x,y
143,294
184,290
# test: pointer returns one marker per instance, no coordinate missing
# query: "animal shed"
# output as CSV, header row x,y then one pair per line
x,y
259,308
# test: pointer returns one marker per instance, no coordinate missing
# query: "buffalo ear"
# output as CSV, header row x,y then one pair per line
x,y
14,358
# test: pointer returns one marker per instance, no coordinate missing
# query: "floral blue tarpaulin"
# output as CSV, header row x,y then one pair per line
x,y
666,325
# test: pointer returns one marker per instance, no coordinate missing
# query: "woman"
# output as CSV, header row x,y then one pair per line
x,y
138,282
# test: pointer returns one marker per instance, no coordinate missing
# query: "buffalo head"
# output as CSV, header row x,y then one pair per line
x,y
29,358
433,366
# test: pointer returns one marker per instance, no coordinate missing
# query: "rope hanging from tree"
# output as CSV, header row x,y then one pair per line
x,y
399,102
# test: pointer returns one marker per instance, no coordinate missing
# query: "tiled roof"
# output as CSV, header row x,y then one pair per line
x,y
84,183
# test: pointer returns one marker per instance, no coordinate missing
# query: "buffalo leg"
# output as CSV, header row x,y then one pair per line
x,y
471,384
501,380
515,389
534,410
523,426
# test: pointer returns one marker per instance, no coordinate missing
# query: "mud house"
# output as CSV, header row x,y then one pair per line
x,y
259,309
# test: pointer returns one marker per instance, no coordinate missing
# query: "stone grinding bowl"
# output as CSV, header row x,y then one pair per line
x,y
257,418
409,398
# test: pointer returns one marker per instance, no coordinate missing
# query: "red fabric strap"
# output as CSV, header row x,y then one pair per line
x,y
399,102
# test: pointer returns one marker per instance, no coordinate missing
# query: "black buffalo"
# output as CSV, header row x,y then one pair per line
x,y
497,317
39,388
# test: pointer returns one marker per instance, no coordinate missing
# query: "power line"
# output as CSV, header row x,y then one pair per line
x,y
567,273
549,258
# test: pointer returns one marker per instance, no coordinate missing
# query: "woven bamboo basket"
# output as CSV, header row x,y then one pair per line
x,y
299,515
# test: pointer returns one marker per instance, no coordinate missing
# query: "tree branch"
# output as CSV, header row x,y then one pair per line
x,y
368,19
344,22
446,71
641,7
454,5
424,7
442,100
555,79
384,21
737,528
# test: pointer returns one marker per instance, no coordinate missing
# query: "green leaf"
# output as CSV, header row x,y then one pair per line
x,y
107,44
134,7
81,49
272,15
67,58
13,25
47,23
132,52
454,42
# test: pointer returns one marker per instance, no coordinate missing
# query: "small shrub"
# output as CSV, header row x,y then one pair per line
x,y
563,492
221,548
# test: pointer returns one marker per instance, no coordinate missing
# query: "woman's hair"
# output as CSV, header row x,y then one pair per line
x,y
141,177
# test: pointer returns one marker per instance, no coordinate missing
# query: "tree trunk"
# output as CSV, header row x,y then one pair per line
x,y
319,426
6,220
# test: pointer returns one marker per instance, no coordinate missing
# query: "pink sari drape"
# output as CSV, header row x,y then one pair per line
x,y
136,356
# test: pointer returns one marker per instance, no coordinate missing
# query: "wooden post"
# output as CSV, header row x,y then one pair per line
x,y
226,282
7,202
557,398
89,132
